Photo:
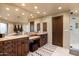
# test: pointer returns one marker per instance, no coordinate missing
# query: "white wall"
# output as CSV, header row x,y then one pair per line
x,y
10,28
66,30
25,28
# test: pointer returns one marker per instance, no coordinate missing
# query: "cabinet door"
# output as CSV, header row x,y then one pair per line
x,y
25,46
43,39
19,52
19,47
1,48
7,48
14,48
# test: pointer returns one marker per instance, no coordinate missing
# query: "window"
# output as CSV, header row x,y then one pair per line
x,y
3,28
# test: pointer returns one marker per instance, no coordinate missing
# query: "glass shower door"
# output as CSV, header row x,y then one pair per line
x,y
74,35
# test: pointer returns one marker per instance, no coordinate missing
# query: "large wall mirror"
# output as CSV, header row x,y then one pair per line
x,y
32,26
38,27
3,28
45,27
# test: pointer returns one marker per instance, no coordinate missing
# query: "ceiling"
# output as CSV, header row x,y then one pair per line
x,y
17,12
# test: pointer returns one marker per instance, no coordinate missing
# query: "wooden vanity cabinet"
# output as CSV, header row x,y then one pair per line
x,y
43,40
23,46
1,48
25,50
7,48
14,52
14,47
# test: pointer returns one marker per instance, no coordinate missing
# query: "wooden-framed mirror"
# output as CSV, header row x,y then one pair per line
x,y
44,26
32,26
38,27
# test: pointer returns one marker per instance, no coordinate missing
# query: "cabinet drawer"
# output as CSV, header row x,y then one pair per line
x,y
1,43
7,43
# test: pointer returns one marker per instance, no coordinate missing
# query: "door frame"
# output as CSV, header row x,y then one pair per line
x,y
62,28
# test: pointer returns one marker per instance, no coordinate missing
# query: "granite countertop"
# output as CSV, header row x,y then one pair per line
x,y
34,37
42,33
12,37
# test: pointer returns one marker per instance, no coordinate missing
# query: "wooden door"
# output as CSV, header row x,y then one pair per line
x,y
57,33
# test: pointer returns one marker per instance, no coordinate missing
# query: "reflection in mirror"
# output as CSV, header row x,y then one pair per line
x,y
38,27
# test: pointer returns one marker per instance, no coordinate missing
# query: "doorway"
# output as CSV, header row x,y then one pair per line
x,y
57,33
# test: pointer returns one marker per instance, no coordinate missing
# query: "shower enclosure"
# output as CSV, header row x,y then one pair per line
x,y
74,35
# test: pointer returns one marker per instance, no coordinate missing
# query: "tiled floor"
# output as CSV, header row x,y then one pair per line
x,y
50,50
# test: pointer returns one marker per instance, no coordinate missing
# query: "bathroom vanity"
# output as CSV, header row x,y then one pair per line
x,y
14,45
21,45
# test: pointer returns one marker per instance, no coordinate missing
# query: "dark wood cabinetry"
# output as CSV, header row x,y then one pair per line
x,y
43,40
1,48
14,47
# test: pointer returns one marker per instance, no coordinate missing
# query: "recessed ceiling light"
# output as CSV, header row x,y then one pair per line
x,y
38,12
16,9
0,16
23,14
44,12
35,7
7,9
8,14
76,11
23,4
59,8
31,14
